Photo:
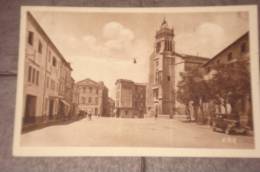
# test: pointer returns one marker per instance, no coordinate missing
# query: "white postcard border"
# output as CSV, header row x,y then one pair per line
x,y
141,151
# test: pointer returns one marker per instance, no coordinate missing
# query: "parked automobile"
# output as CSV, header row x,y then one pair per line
x,y
228,124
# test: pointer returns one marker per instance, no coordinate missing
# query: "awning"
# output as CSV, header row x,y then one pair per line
x,y
65,102
55,97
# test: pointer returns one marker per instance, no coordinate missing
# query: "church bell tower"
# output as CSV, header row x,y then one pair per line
x,y
161,72
164,39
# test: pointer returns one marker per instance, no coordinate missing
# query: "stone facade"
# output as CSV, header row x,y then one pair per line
x,y
130,99
45,74
92,97
165,67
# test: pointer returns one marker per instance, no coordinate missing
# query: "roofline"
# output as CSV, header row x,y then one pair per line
x,y
124,80
140,84
97,83
86,79
40,29
214,57
183,56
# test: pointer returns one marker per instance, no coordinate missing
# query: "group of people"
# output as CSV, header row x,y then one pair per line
x,y
84,113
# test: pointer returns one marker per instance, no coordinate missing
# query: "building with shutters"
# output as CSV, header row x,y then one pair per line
x,y
47,77
92,96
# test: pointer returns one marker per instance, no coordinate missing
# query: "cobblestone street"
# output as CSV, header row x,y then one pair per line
x,y
148,132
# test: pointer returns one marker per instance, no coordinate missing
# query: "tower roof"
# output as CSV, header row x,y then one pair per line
x,y
164,30
164,23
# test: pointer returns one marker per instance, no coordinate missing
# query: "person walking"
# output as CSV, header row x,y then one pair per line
x,y
85,113
156,112
89,115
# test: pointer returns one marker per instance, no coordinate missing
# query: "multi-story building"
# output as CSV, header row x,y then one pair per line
x,y
238,51
140,99
75,101
65,90
130,98
165,67
42,76
92,97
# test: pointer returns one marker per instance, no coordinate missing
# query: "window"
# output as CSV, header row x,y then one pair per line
x,y
46,104
90,89
158,46
29,74
33,75
168,78
37,77
168,45
52,84
159,77
89,100
156,77
54,61
49,58
96,91
84,89
230,56
40,47
30,37
243,48
96,100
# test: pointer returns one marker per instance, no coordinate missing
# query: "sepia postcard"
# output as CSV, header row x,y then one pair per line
x,y
138,82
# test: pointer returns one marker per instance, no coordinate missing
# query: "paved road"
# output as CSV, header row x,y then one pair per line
x,y
134,132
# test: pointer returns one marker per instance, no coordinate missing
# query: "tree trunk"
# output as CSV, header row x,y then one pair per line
x,y
195,109
187,110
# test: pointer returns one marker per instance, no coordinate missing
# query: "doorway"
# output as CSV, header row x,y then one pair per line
x,y
51,104
30,109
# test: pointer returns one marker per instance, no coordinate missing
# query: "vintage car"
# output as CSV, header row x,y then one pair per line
x,y
228,124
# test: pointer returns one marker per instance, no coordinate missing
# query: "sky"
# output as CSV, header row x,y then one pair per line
x,y
101,46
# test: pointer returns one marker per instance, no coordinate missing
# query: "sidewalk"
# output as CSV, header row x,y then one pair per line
x,y
35,126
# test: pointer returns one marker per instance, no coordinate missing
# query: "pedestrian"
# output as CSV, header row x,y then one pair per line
x,y
156,113
89,115
85,113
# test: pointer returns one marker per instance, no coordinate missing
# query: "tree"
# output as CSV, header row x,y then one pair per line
x,y
232,83
192,88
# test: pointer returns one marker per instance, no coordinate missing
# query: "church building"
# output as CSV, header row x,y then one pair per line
x,y
165,67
